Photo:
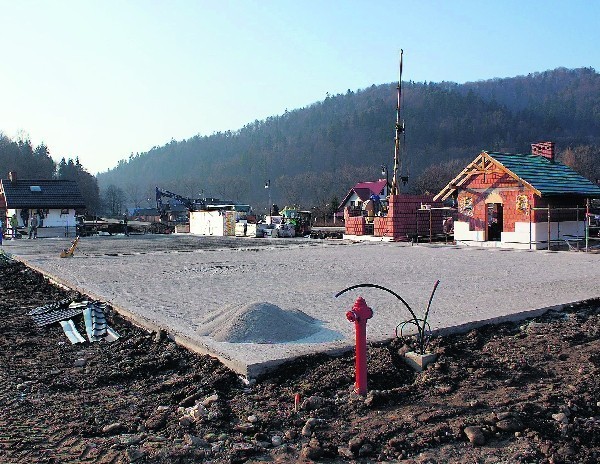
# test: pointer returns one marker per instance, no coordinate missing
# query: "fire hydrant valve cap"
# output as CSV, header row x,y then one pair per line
x,y
351,316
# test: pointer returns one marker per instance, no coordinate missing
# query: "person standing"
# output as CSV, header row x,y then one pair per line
x,y
14,223
33,224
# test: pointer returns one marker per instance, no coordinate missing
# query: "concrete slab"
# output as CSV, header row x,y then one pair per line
x,y
177,282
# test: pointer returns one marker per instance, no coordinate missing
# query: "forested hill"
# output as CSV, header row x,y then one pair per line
x,y
316,153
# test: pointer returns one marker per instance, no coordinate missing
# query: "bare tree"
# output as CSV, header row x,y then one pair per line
x,y
113,199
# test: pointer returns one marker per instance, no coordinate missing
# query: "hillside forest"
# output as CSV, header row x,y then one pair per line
x,y
37,164
313,155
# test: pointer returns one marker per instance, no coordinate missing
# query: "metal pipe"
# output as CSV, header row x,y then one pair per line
x,y
587,225
530,212
548,226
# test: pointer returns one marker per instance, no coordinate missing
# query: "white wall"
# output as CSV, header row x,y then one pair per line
x,y
212,223
207,223
353,198
520,237
53,219
462,232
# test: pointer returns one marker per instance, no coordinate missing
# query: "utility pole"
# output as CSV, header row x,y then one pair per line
x,y
268,187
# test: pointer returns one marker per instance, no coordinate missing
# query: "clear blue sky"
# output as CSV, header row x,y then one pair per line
x,y
102,79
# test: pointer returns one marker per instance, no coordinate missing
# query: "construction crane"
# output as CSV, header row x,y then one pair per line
x,y
397,146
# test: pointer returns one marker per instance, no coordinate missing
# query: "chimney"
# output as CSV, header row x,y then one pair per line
x,y
12,176
545,149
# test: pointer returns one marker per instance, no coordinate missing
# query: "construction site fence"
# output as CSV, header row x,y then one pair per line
x,y
590,219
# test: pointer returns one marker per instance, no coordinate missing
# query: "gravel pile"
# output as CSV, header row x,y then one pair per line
x,y
259,322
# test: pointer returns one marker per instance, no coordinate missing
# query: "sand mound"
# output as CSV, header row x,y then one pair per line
x,y
259,323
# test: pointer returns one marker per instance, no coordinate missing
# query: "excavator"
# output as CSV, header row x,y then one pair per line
x,y
163,208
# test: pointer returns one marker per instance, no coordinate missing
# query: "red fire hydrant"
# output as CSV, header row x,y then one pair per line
x,y
359,314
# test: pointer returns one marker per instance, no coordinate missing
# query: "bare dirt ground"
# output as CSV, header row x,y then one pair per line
x,y
512,393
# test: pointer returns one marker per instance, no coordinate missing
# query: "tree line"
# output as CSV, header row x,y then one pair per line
x,y
36,164
316,153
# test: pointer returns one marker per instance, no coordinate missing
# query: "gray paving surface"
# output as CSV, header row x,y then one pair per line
x,y
175,282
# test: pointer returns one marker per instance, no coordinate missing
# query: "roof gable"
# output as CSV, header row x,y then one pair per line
x,y
47,194
544,176
364,190
374,187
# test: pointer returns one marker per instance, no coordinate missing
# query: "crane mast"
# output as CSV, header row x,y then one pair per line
x,y
399,130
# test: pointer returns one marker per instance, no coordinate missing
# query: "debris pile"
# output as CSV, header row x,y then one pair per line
x,y
62,311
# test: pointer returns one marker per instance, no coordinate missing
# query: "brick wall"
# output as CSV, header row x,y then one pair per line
x,y
355,225
502,185
403,218
401,221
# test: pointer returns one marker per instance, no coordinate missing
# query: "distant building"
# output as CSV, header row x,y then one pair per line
x,y
361,196
519,200
54,201
370,213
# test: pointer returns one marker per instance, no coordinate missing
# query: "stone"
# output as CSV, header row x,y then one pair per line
x,y
197,412
186,421
510,424
475,435
311,452
160,335
365,450
129,440
312,402
312,421
112,428
504,415
561,417
345,452
210,437
306,431
244,428
156,421
355,443
276,440
79,362
210,400
252,419
134,454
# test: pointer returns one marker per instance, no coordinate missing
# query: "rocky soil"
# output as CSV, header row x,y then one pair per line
x,y
511,393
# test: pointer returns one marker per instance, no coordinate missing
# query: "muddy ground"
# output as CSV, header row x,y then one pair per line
x,y
512,393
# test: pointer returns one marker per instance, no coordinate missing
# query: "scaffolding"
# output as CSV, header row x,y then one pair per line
x,y
448,232
591,228
588,219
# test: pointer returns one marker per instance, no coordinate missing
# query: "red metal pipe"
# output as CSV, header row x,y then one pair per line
x,y
359,314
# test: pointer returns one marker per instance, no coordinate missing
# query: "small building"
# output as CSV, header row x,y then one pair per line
x,y
219,219
519,200
54,201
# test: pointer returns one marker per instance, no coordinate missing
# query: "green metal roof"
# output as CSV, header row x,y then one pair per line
x,y
547,176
